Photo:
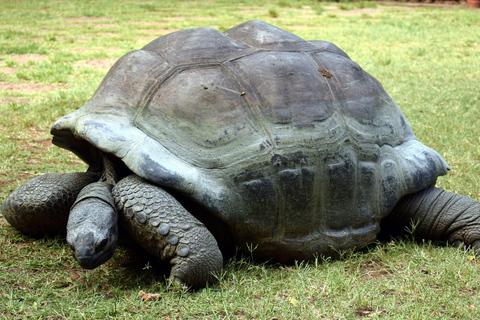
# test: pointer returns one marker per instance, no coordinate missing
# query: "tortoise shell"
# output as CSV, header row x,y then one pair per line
x,y
289,142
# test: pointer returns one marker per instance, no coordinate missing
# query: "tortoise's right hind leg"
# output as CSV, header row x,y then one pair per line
x,y
440,215
41,205
159,223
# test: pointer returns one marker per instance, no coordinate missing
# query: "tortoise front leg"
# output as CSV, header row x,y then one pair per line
x,y
440,215
159,223
41,205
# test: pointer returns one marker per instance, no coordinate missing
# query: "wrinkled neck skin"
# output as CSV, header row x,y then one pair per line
x,y
440,215
109,167
109,175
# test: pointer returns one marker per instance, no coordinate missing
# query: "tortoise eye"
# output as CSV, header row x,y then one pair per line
x,y
101,246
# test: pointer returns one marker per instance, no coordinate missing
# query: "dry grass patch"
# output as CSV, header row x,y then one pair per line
x,y
108,50
375,270
25,58
104,25
413,5
368,11
97,64
158,32
184,17
251,12
107,34
88,19
298,28
7,70
8,100
28,87
148,23
20,59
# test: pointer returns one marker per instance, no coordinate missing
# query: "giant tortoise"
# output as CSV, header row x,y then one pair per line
x,y
254,138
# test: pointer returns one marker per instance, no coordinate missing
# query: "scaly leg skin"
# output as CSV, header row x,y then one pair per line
x,y
92,229
440,215
40,206
158,222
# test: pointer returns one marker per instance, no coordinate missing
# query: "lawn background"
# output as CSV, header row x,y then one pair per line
x,y
53,55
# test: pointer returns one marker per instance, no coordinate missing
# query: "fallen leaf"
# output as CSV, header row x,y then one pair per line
x,y
472,307
379,312
369,312
292,301
149,296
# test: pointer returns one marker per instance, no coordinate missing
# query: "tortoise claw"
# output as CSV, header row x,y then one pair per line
x,y
456,243
476,247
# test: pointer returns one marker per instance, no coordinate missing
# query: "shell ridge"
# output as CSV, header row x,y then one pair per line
x,y
253,98
269,144
260,34
338,110
150,91
157,54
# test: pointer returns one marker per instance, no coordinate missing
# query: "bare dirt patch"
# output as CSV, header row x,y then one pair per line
x,y
7,70
330,7
97,64
375,270
149,23
201,18
252,11
182,17
110,50
368,312
444,4
368,11
25,58
28,87
302,27
103,25
87,19
8,100
159,32
107,34
82,38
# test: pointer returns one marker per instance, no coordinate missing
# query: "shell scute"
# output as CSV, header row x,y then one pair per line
x,y
204,109
259,34
289,87
196,46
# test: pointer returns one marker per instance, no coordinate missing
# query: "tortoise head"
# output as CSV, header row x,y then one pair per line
x,y
92,229
91,249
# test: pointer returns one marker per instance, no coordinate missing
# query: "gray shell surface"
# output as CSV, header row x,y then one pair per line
x,y
289,142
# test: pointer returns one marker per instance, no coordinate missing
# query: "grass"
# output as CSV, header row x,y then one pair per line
x,y
51,56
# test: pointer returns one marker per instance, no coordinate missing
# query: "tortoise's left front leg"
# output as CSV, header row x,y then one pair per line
x,y
160,224
440,215
41,205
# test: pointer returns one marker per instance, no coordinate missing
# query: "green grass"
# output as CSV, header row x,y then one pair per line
x,y
426,58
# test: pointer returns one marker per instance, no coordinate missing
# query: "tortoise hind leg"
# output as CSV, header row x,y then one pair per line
x,y
41,205
440,215
158,222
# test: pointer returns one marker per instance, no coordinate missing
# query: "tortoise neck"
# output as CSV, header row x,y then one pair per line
x,y
109,175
